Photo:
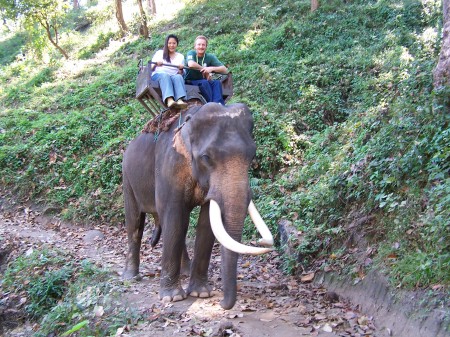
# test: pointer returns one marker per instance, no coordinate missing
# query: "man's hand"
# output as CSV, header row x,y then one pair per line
x,y
206,72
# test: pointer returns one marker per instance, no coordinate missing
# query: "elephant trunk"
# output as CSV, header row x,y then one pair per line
x,y
229,278
234,212
234,216
228,211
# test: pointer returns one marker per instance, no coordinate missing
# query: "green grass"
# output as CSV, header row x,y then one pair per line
x,y
62,293
11,46
347,121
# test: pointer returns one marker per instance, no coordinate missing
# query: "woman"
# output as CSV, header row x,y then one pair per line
x,y
169,78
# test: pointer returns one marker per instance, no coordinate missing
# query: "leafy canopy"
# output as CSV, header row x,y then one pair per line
x,y
39,18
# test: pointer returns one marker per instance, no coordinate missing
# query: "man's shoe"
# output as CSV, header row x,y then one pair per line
x,y
181,104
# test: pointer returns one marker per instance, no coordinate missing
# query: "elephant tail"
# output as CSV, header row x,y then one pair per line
x,y
156,235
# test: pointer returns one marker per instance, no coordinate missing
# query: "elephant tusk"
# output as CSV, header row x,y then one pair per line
x,y
267,238
226,240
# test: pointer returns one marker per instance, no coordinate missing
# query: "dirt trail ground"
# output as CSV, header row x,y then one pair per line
x,y
268,302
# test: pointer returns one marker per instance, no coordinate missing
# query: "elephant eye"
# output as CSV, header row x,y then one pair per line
x,y
205,159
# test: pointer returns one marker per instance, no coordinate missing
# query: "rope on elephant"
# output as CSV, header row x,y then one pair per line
x,y
164,120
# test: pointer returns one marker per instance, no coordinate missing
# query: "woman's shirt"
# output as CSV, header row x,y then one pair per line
x,y
176,61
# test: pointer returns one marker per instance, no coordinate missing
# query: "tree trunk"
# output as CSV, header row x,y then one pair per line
x,y
76,4
54,41
314,5
441,73
119,15
143,29
151,7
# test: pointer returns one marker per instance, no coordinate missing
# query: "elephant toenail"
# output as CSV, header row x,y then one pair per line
x,y
166,299
177,298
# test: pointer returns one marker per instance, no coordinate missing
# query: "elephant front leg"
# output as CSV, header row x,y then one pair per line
x,y
170,285
204,241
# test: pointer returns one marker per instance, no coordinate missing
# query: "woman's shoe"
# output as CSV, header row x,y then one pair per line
x,y
171,103
181,104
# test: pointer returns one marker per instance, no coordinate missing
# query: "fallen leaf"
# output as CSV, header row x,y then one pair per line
x,y
363,320
307,278
327,328
99,311
319,317
246,264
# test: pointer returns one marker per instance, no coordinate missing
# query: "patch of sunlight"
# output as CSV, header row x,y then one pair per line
x,y
430,6
406,57
206,307
386,77
428,39
167,9
249,39
390,38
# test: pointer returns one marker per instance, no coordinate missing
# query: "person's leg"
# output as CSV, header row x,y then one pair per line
x,y
165,84
217,91
205,89
178,86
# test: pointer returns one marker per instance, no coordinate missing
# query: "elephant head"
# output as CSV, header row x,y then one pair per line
x,y
218,144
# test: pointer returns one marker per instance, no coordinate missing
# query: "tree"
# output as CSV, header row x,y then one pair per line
x,y
76,4
47,14
314,5
119,15
143,29
152,7
441,73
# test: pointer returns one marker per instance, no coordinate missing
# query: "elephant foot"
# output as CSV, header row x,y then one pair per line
x,y
172,295
201,290
131,274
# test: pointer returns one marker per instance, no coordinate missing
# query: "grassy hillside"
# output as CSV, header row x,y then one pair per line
x,y
353,142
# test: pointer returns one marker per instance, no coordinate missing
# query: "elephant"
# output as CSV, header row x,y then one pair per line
x,y
203,160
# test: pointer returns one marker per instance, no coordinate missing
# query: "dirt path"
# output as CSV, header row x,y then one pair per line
x,y
268,302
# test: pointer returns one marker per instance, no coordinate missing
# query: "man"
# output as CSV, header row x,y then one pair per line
x,y
203,64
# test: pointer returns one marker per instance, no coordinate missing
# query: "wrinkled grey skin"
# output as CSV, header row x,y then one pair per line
x,y
208,158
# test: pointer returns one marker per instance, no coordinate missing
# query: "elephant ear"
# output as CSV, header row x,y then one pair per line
x,y
180,141
182,144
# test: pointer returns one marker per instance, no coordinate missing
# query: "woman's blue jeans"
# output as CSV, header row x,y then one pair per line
x,y
171,85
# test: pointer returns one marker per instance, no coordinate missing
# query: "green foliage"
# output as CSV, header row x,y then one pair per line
x,y
11,47
46,285
47,15
103,40
62,293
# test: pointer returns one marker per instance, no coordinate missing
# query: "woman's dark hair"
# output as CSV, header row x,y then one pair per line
x,y
166,55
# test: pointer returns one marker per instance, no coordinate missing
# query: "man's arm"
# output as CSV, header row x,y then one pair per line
x,y
194,65
215,66
219,69
190,61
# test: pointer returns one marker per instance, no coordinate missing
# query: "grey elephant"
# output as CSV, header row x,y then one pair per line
x,y
201,161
